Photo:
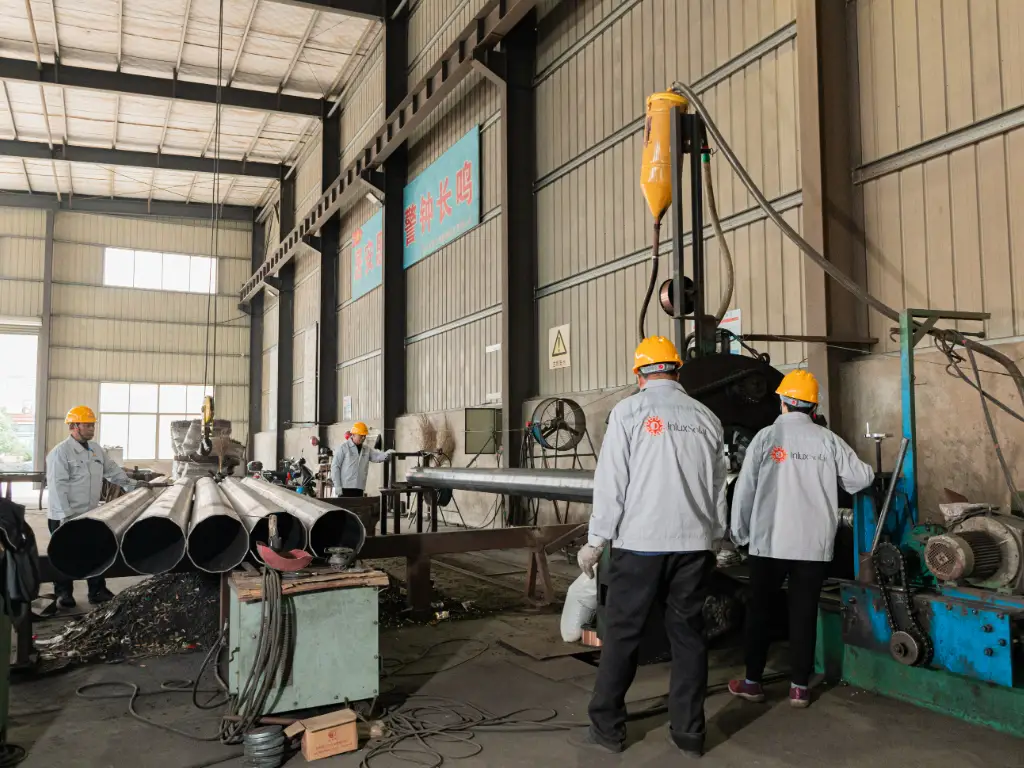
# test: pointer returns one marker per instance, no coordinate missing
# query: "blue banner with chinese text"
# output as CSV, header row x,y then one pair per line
x,y
443,202
368,255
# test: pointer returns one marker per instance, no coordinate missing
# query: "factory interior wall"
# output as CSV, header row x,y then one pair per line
x,y
100,333
939,89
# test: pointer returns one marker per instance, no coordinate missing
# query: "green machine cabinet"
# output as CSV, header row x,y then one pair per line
x,y
336,653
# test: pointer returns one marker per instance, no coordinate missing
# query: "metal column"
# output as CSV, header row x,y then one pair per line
x,y
255,311
285,320
330,245
43,352
519,333
393,367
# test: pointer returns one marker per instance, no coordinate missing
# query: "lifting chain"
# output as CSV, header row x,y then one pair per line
x,y
909,644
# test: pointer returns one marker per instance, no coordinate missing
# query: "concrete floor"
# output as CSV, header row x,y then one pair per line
x,y
845,727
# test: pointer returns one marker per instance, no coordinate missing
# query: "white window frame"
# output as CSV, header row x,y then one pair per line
x,y
115,275
116,405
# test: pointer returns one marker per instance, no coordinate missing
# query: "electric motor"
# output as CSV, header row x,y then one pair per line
x,y
984,551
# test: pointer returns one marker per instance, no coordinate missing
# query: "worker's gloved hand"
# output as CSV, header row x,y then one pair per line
x,y
154,484
390,452
588,558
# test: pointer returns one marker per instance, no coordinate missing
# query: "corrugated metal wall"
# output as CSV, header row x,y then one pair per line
x,y
940,90
22,252
598,62
126,334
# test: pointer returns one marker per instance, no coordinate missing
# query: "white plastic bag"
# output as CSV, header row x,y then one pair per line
x,y
580,607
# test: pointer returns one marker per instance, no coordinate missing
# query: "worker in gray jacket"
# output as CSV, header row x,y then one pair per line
x,y
75,471
659,499
351,462
785,507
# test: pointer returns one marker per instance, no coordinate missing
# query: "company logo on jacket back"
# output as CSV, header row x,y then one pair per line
x,y
778,454
655,425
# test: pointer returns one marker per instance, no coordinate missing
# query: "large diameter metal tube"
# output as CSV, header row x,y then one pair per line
x,y
155,542
87,545
553,484
255,512
328,525
217,539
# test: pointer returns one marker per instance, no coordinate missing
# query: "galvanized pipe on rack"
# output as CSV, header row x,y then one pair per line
x,y
155,541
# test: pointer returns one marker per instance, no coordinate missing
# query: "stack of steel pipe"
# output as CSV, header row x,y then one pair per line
x,y
87,545
217,539
328,526
255,512
155,541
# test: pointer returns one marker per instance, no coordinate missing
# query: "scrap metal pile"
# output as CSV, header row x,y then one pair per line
x,y
163,615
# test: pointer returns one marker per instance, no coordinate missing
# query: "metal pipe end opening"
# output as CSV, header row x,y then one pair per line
x,y
218,544
289,528
153,545
81,549
336,528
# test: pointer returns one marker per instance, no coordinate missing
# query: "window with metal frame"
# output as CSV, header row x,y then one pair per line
x,y
156,271
137,416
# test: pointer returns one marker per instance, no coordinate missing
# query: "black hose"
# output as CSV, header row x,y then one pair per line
x,y
654,279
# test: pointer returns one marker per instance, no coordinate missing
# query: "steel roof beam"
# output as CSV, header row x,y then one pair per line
x,y
495,20
26,70
123,205
362,9
37,150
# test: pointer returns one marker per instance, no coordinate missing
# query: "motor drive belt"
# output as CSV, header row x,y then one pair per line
x,y
913,631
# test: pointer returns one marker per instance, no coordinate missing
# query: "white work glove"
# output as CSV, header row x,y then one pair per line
x,y
390,452
588,558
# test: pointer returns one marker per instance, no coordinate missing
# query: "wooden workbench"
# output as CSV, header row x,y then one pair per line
x,y
249,585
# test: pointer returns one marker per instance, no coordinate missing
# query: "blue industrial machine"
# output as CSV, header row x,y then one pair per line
x,y
935,615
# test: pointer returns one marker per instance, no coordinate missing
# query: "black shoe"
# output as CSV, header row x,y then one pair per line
x,y
102,596
585,739
690,744
66,601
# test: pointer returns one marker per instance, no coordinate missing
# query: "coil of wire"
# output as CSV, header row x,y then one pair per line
x,y
264,747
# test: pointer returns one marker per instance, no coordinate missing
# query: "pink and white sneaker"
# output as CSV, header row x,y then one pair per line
x,y
749,691
800,698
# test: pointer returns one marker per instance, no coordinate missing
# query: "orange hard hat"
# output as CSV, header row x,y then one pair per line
x,y
799,385
80,414
655,350
360,429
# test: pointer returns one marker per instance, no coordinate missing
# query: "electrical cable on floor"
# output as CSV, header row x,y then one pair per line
x,y
11,755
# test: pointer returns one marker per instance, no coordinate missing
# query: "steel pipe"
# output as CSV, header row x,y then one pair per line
x,y
87,545
553,484
328,526
155,542
255,512
217,539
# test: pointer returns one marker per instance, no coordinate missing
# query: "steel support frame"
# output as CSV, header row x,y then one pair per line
x,y
25,70
495,20
396,170
37,150
830,223
123,206
330,262
256,343
360,9
285,322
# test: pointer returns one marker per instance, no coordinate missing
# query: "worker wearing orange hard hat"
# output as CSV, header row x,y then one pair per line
x,y
351,463
659,501
75,471
785,508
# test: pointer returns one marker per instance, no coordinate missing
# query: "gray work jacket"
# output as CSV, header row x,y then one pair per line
x,y
660,479
351,465
74,478
785,501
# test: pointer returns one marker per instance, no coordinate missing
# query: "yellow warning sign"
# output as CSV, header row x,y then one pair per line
x,y
558,346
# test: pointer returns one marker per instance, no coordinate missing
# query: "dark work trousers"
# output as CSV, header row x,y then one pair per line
x,y
61,588
351,493
766,577
679,582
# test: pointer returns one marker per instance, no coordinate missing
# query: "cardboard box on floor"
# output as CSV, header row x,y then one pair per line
x,y
326,735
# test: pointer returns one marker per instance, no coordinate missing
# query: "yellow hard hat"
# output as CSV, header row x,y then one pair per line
x,y
359,429
799,385
80,414
655,350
